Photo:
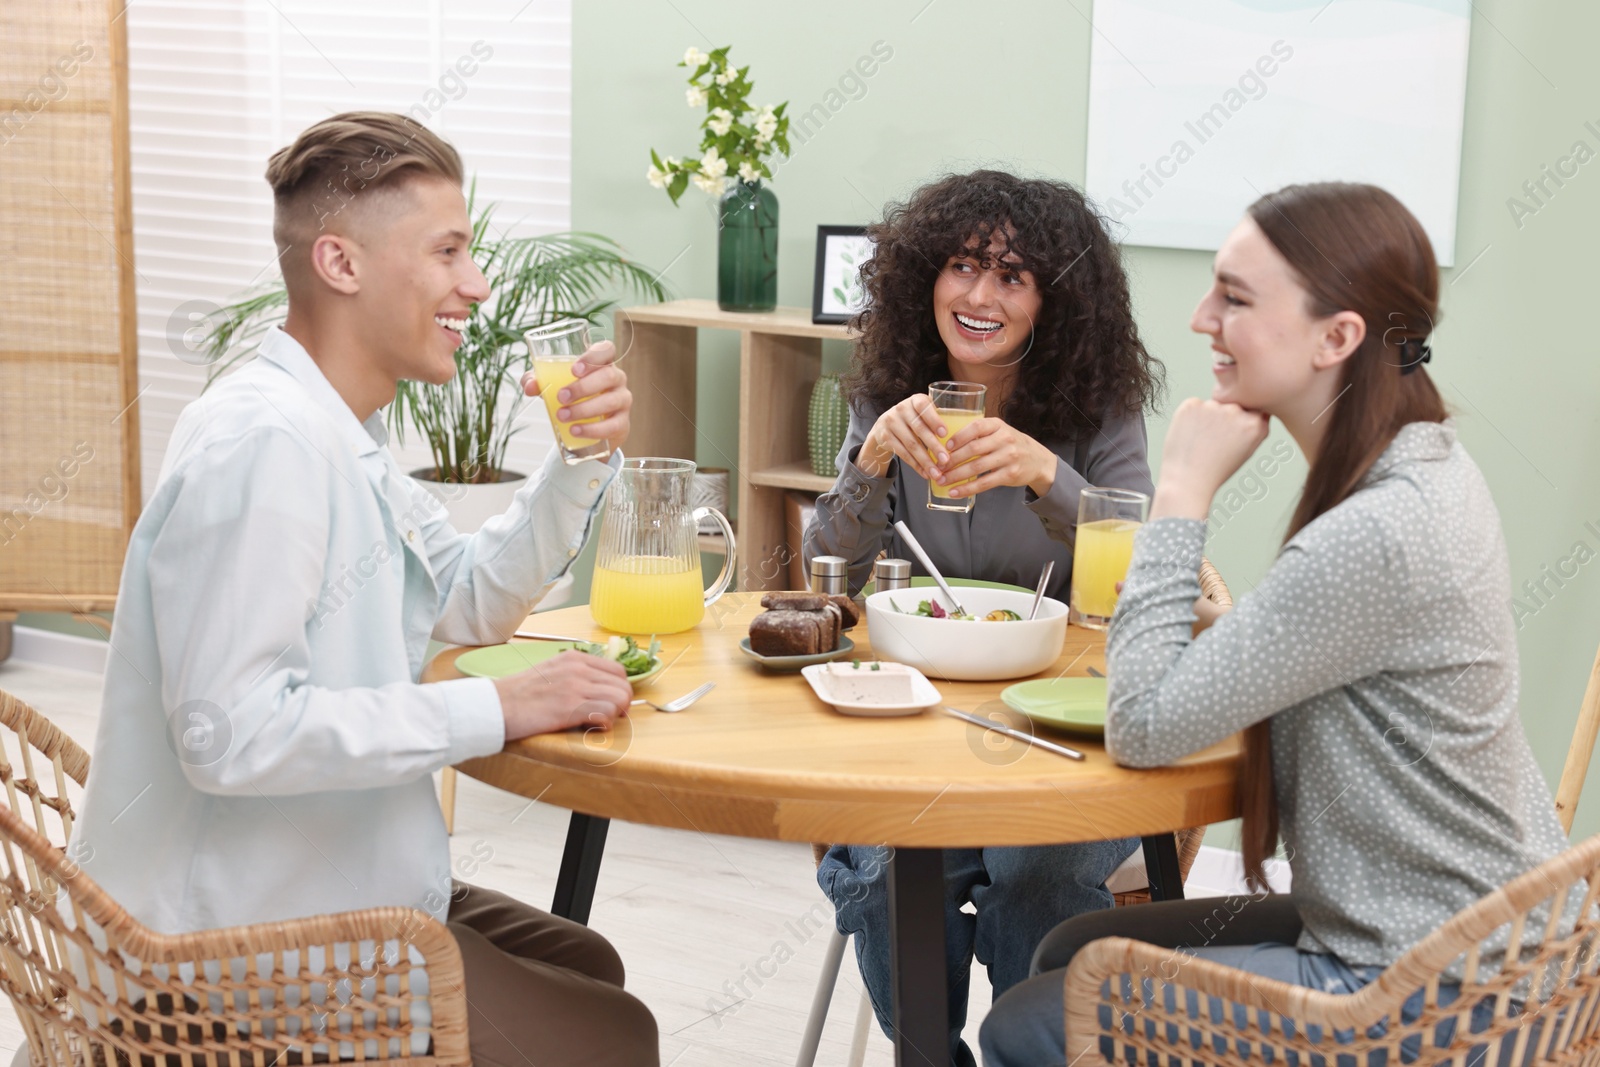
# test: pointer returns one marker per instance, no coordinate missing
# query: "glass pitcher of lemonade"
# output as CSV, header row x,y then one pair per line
x,y
647,576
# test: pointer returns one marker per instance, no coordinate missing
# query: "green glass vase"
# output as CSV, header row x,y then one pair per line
x,y
747,248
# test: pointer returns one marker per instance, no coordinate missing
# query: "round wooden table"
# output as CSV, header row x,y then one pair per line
x,y
761,756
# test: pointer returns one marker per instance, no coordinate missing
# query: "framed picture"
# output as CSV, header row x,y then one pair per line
x,y
838,293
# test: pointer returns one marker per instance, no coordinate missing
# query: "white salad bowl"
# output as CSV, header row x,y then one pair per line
x,y
962,649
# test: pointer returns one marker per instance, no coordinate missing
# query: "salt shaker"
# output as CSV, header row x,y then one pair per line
x,y
830,575
891,574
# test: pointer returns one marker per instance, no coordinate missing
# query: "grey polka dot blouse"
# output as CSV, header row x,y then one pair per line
x,y
1381,646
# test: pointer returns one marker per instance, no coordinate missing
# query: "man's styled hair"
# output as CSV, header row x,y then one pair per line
x,y
336,162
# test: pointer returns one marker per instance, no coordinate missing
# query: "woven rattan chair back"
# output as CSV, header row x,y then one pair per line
x,y
43,769
94,988
1537,1002
1577,768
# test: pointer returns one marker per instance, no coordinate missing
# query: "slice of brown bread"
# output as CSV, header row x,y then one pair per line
x,y
835,626
791,633
847,608
795,601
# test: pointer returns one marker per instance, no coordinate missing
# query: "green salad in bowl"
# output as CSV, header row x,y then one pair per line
x,y
932,609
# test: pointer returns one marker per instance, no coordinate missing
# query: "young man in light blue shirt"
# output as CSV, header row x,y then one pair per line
x,y
265,751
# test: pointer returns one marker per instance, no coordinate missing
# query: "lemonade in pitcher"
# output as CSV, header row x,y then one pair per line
x,y
647,595
647,573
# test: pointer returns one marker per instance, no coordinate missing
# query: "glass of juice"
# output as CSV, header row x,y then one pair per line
x,y
958,404
1107,521
554,348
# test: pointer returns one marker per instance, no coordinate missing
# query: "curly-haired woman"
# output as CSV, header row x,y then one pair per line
x,y
1011,283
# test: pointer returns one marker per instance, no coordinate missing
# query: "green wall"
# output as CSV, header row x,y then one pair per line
x,y
1008,86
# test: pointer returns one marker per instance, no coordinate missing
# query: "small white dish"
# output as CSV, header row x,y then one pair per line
x,y
923,694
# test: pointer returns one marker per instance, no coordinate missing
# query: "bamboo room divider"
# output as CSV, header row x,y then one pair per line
x,y
69,424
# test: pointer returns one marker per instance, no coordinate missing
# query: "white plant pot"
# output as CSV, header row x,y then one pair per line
x,y
470,506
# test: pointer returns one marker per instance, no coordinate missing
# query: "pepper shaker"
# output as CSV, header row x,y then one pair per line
x,y
830,575
890,574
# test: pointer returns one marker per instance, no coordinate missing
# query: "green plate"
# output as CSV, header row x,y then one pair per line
x,y
497,661
1076,704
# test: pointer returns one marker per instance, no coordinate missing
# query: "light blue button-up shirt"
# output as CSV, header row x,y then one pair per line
x,y
264,749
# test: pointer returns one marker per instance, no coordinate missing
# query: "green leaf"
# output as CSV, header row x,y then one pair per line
x,y
657,161
679,182
838,294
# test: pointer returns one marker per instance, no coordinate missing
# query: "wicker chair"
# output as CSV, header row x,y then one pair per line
x,y
1131,874
1117,989
311,990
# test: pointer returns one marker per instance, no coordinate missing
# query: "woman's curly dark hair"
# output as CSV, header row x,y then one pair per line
x,y
1084,360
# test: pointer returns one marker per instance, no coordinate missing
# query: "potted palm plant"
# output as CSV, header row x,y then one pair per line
x,y
466,422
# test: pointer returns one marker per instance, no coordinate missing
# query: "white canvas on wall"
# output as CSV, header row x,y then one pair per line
x,y
1197,107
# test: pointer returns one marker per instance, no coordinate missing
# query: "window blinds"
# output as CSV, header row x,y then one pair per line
x,y
216,86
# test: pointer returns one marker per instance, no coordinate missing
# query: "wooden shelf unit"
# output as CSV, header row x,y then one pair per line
x,y
780,356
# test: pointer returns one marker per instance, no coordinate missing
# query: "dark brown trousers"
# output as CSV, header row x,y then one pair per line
x,y
544,991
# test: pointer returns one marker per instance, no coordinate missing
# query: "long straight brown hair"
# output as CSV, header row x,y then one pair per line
x,y
1353,248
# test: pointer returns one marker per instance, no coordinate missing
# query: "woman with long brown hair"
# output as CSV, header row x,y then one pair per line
x,y
1373,670
1011,283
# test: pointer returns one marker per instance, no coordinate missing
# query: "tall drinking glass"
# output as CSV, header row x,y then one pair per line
x,y
959,404
554,349
1107,521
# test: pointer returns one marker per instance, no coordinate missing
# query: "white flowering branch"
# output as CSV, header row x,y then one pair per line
x,y
731,140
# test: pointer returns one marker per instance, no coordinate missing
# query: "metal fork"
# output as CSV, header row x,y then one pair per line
x,y
682,702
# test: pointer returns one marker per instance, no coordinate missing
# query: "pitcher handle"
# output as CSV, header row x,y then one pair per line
x,y
724,579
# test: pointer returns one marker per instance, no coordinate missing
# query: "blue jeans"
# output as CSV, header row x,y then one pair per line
x,y
1019,894
1025,1027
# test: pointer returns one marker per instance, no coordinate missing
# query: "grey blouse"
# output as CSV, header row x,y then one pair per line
x,y
1381,646
1006,537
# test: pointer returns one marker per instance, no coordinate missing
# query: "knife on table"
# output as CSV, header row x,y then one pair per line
x,y
987,724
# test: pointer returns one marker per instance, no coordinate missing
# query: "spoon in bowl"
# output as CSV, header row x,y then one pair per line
x,y
916,549
1044,580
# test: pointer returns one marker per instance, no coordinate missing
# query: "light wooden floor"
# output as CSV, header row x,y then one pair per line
x,y
693,916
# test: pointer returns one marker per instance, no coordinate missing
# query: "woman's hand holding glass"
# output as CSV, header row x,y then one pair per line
x,y
910,431
996,454
599,392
